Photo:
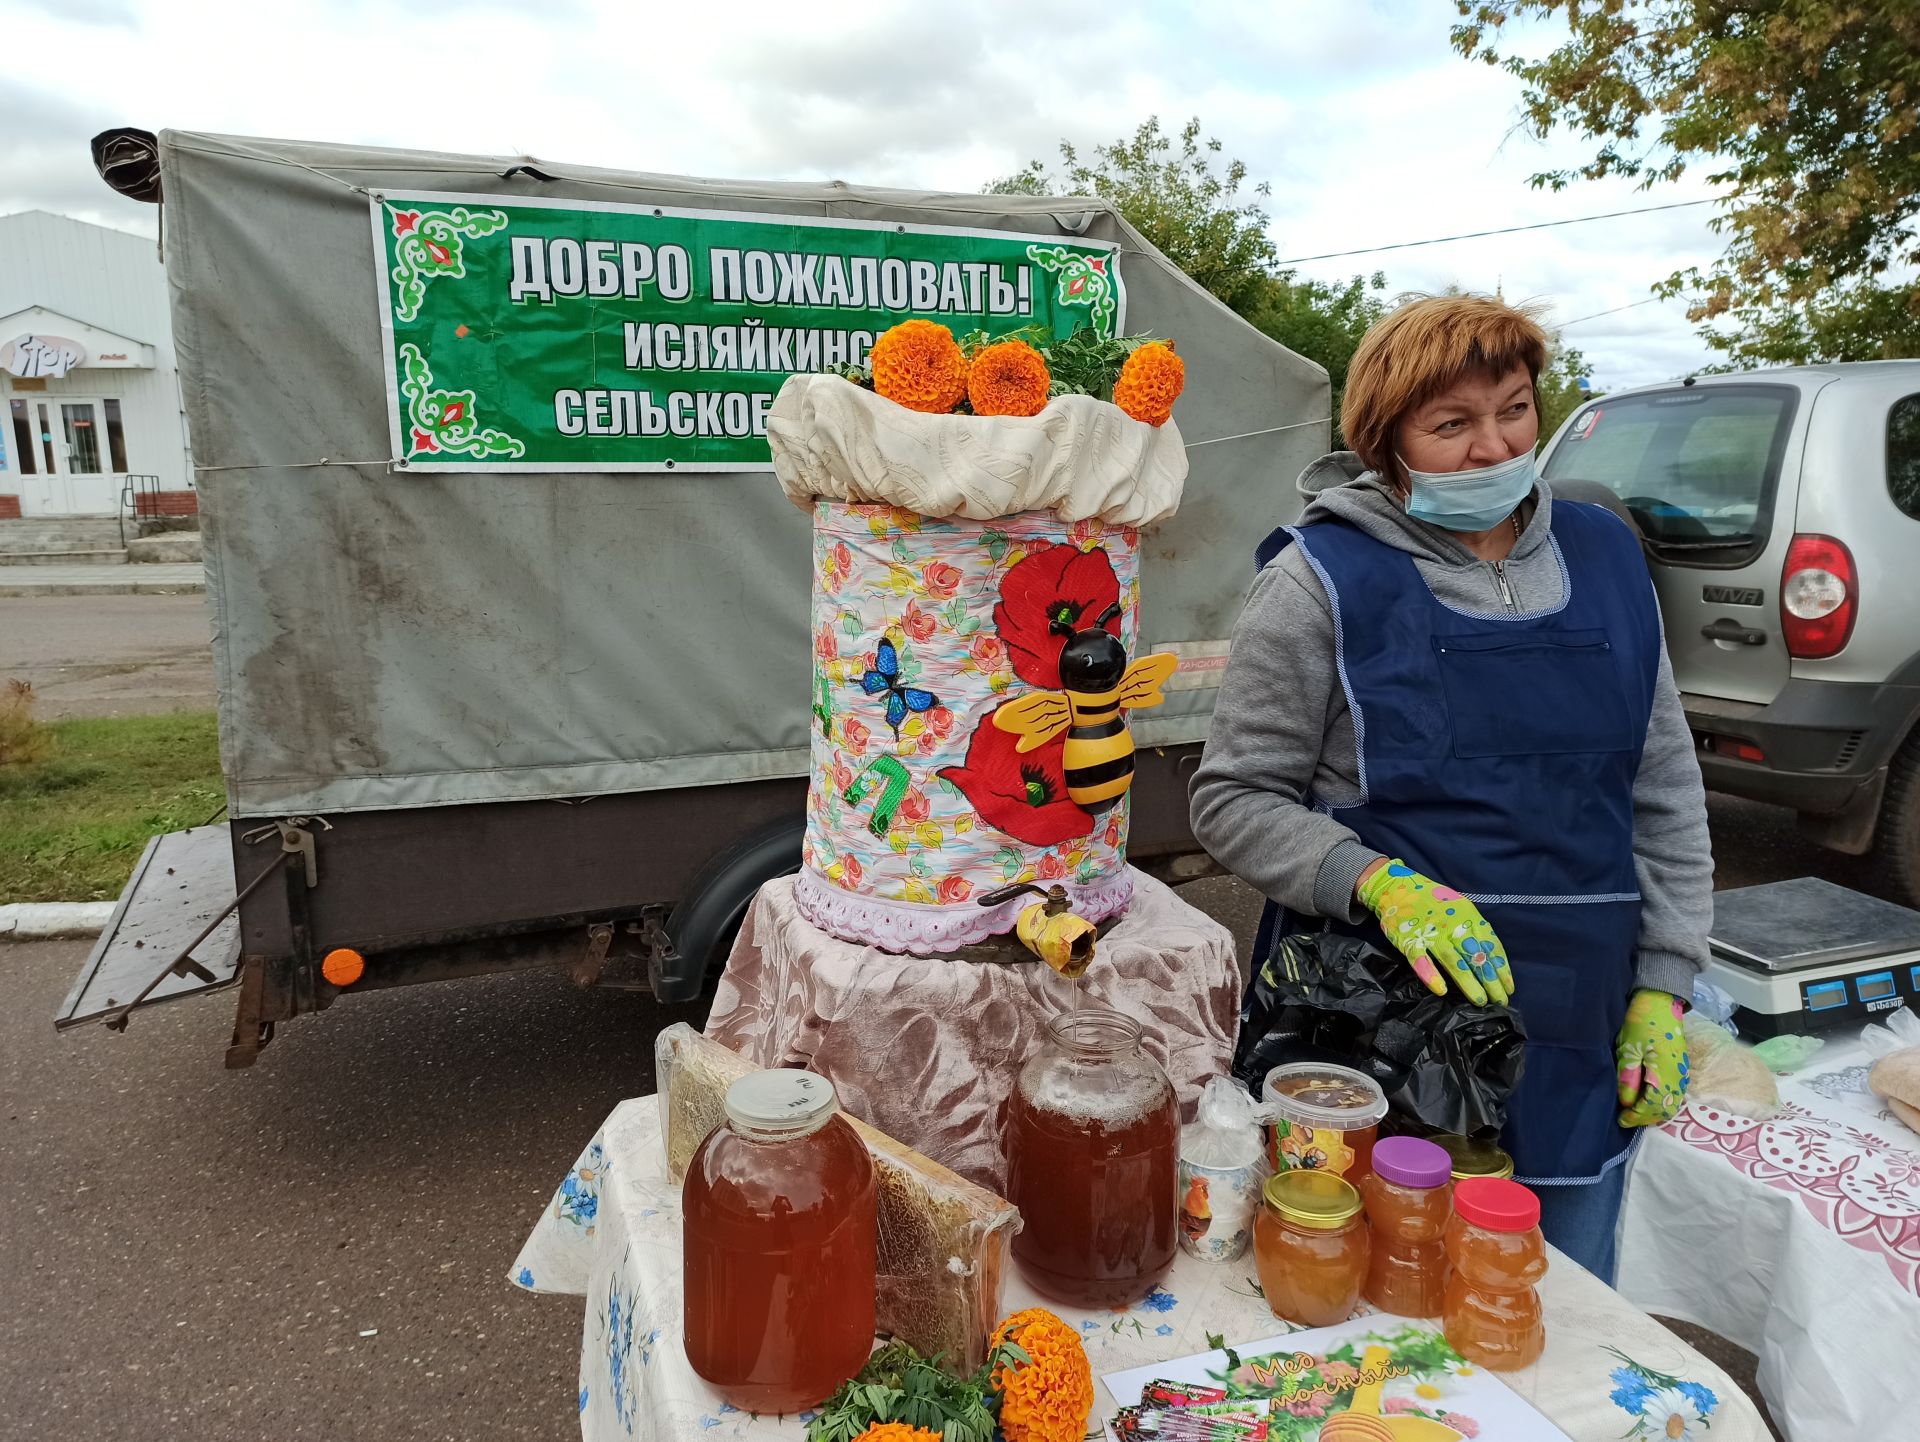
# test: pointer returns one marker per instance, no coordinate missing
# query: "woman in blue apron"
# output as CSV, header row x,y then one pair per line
x,y
1449,724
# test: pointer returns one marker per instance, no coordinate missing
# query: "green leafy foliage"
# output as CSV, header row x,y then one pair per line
x,y
1201,212
1560,392
1200,217
899,1385
1085,363
1803,111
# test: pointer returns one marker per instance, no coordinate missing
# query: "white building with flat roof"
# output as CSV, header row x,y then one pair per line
x,y
90,418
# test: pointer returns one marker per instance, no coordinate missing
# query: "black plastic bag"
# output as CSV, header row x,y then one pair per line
x,y
1321,997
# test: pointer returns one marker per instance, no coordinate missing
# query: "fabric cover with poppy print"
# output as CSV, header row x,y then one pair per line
x,y
964,608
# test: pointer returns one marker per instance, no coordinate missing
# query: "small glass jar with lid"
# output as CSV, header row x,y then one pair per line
x,y
1473,1156
781,1233
1311,1247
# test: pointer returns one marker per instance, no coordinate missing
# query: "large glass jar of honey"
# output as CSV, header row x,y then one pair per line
x,y
1409,1201
1093,1136
780,1235
1492,1313
1310,1247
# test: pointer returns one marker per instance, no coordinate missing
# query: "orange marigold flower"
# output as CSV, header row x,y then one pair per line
x,y
1049,1398
1009,378
896,1432
1150,382
918,365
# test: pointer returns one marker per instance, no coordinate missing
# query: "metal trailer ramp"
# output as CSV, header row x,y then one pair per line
x,y
183,881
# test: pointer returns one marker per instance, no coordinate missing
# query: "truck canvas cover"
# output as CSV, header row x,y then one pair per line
x,y
419,600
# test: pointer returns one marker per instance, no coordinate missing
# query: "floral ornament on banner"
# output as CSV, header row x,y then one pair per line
x,y
1663,1408
427,246
1082,280
443,423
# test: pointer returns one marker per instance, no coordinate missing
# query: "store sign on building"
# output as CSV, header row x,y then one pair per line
x,y
40,357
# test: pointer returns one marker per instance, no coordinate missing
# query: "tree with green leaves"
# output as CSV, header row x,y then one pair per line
x,y
1561,393
1199,217
1803,110
1199,211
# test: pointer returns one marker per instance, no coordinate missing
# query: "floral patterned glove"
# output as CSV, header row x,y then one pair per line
x,y
1429,923
1651,1052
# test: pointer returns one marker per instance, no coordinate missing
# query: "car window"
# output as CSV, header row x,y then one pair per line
x,y
1693,465
1903,454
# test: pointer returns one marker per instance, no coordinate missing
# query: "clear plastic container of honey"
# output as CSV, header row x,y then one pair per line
x,y
1409,1201
781,1234
1310,1247
1492,1312
1326,1118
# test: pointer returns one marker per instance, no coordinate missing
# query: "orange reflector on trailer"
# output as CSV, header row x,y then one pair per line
x,y
343,966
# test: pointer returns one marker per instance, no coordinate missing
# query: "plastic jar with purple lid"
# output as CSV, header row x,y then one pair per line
x,y
1409,1198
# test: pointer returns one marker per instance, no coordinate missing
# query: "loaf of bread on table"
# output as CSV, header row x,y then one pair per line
x,y
943,1241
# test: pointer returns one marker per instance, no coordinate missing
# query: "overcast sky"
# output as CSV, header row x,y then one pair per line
x,y
1369,128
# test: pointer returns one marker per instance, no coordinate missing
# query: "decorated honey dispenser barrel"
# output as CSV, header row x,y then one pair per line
x,y
975,623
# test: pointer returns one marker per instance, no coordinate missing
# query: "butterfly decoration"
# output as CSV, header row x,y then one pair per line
x,y
884,679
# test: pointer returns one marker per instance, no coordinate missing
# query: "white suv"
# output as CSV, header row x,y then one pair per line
x,y
1781,515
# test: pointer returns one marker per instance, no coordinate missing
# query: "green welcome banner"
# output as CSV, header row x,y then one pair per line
x,y
567,336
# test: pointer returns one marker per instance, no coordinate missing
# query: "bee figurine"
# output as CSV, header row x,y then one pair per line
x,y
1098,688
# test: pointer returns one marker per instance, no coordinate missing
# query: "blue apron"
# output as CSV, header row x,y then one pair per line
x,y
1497,754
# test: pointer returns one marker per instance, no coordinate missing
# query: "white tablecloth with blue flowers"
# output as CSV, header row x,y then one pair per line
x,y
612,1235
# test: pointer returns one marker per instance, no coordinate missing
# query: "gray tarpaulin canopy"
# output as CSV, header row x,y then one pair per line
x,y
389,640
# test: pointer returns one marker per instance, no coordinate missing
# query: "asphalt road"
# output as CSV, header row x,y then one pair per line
x,y
109,655
190,1252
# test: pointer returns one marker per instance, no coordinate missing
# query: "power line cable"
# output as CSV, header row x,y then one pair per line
x,y
1504,230
1615,311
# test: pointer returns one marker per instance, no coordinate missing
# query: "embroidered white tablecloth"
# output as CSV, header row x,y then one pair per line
x,y
612,1234
1797,1238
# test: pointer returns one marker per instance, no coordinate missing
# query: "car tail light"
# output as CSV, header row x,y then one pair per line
x,y
1738,750
1819,597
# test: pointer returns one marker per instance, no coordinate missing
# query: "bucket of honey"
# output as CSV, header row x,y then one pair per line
x,y
1326,1119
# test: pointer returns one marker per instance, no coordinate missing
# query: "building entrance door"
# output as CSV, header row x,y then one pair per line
x,y
65,455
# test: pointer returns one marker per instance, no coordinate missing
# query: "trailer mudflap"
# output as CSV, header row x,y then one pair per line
x,y
184,880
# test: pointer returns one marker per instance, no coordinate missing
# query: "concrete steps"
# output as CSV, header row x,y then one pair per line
x,y
67,556
61,543
95,543
165,548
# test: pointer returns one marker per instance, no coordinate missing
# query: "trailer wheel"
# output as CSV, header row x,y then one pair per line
x,y
708,917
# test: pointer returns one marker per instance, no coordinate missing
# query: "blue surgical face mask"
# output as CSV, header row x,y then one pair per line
x,y
1475,500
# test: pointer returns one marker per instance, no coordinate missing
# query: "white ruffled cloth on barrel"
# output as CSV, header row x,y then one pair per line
x,y
1080,458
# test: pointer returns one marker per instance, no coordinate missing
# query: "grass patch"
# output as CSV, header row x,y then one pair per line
x,y
73,823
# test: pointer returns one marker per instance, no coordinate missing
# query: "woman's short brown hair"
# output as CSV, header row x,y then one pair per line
x,y
1430,343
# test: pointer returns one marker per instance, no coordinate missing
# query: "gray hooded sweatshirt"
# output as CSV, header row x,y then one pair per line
x,y
1282,736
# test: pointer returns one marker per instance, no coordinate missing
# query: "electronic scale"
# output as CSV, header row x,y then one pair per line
x,y
1803,955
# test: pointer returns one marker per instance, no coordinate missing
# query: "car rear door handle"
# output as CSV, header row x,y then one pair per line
x,y
1725,630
